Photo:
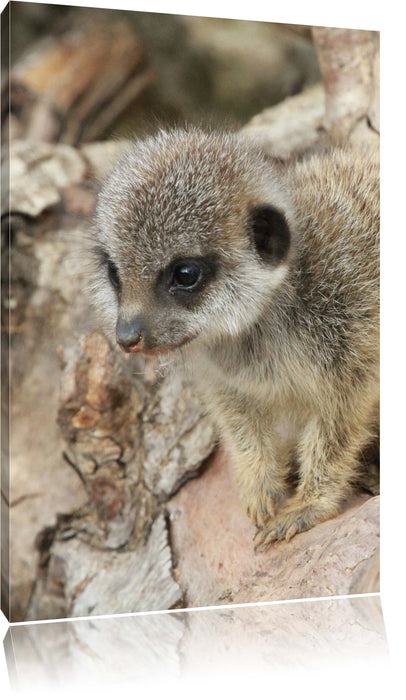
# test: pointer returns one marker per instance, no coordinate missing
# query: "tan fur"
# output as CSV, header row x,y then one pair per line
x,y
281,341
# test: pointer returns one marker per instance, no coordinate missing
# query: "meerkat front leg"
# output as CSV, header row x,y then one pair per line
x,y
259,467
260,480
328,459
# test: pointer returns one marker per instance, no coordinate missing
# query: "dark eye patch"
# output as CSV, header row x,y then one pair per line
x,y
106,262
113,275
100,255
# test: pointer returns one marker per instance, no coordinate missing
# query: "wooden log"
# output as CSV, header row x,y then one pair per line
x,y
80,580
342,108
349,63
212,541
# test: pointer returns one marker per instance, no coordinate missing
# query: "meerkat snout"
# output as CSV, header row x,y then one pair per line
x,y
264,280
130,334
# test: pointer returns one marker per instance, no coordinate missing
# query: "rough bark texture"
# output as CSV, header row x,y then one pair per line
x,y
212,541
81,579
103,447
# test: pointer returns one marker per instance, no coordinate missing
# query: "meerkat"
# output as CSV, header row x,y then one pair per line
x,y
262,281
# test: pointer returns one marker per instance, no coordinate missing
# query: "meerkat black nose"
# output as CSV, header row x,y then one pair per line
x,y
129,335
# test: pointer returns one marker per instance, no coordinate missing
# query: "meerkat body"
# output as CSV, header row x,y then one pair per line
x,y
264,281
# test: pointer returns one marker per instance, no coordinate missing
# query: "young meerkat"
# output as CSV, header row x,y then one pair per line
x,y
263,281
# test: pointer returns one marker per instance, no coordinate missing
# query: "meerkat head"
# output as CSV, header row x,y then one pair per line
x,y
193,233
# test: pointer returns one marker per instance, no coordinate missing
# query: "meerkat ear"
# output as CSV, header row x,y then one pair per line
x,y
270,233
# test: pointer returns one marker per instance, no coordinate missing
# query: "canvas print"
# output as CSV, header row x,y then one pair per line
x,y
190,312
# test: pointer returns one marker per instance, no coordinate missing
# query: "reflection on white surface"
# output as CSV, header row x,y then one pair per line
x,y
183,647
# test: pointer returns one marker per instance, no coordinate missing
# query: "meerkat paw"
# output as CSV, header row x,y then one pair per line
x,y
262,506
260,512
291,520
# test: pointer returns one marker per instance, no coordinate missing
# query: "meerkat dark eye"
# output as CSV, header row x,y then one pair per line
x,y
270,233
186,275
186,279
113,274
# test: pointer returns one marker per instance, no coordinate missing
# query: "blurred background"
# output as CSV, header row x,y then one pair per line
x,y
110,72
